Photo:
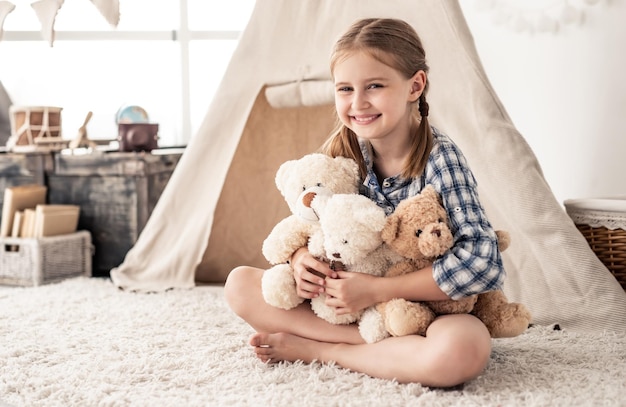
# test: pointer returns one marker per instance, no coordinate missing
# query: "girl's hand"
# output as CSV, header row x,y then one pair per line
x,y
309,273
351,292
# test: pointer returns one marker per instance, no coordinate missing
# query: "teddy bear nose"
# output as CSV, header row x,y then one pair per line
x,y
337,255
308,198
436,232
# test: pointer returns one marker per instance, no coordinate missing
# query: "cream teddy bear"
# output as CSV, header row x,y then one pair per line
x,y
349,239
299,181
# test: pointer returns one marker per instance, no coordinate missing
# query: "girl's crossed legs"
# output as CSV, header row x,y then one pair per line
x,y
456,348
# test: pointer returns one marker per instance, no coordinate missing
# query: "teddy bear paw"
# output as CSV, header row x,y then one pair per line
x,y
512,320
404,317
279,287
372,327
319,307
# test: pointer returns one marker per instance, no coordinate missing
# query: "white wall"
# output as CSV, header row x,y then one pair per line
x,y
565,92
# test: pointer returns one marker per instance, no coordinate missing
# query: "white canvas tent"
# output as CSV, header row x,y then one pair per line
x,y
221,201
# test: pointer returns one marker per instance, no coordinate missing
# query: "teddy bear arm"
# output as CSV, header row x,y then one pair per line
x,y
286,237
316,244
504,239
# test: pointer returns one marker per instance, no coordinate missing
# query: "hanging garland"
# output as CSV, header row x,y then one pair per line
x,y
46,11
541,16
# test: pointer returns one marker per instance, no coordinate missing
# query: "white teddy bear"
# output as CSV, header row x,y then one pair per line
x,y
350,239
299,181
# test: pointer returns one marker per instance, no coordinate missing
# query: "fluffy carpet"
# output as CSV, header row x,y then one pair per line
x,y
83,342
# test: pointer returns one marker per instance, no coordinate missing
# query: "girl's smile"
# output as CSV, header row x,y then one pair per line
x,y
365,119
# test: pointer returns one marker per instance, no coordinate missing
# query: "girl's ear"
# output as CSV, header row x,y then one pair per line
x,y
418,82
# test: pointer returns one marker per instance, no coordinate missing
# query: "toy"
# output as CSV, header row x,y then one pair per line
x,y
82,140
299,181
35,128
350,239
418,231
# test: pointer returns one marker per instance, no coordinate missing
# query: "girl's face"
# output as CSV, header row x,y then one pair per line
x,y
373,99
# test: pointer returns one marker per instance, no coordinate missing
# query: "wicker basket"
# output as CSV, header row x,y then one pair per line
x,y
32,262
602,222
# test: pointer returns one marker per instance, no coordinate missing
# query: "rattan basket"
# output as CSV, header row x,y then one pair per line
x,y
33,262
602,221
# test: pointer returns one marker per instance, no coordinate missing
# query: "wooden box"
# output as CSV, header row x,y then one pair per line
x,y
23,169
116,193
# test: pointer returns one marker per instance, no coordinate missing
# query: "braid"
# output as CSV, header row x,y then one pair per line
x,y
423,106
423,143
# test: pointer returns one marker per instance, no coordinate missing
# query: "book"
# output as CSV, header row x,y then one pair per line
x,y
52,220
17,198
28,223
18,218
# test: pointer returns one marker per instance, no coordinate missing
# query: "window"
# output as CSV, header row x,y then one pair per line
x,y
166,56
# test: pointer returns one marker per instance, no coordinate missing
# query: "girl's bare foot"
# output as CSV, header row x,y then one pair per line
x,y
273,348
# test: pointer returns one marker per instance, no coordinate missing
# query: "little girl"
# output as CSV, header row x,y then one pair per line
x,y
380,74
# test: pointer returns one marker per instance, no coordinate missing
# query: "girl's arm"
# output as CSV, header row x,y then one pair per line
x,y
474,264
352,291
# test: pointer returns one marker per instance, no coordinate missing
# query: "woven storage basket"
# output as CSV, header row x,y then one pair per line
x,y
602,222
32,262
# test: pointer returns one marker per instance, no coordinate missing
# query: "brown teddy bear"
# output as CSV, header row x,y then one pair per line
x,y
418,230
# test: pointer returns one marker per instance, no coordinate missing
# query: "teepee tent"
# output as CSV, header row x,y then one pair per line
x,y
275,104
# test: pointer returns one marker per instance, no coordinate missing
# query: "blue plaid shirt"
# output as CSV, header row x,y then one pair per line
x,y
474,264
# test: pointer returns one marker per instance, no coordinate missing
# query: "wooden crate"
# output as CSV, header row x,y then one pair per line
x,y
116,193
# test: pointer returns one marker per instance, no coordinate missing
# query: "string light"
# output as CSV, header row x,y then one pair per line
x,y
535,17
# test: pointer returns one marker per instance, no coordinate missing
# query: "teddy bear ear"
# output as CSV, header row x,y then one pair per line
x,y
319,203
377,216
349,165
390,230
282,173
431,193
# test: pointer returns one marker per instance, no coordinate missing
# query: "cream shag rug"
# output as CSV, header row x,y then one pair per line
x,y
83,342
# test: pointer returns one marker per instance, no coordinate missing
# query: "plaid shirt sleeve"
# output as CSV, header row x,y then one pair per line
x,y
474,264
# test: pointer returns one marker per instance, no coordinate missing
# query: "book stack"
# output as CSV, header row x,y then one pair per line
x,y
25,214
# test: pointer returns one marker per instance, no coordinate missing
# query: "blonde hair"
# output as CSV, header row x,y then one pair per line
x,y
396,44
